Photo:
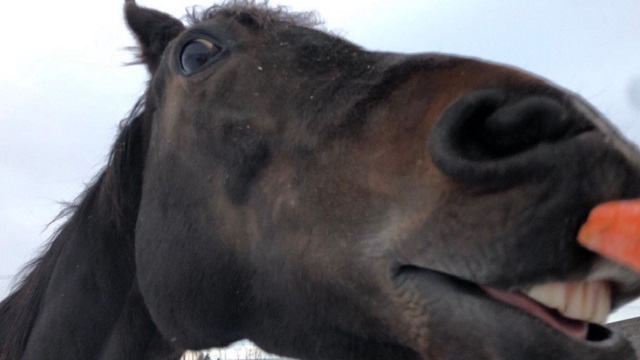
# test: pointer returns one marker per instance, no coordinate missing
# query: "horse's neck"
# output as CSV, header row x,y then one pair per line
x,y
84,294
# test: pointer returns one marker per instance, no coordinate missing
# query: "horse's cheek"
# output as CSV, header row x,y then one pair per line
x,y
192,284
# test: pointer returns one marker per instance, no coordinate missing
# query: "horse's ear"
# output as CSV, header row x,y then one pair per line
x,y
153,30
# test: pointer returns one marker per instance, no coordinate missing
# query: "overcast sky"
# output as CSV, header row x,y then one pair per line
x,y
63,86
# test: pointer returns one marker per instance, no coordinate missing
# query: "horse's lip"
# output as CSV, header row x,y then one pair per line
x,y
606,338
576,329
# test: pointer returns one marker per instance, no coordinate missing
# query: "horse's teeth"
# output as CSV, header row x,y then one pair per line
x,y
589,301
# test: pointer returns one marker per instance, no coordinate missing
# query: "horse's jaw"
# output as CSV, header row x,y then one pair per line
x,y
476,322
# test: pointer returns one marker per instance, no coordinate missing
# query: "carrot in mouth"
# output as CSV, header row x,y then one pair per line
x,y
613,231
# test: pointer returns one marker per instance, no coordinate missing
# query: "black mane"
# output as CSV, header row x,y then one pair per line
x,y
111,189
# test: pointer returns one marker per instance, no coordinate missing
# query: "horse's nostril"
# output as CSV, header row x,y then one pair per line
x,y
482,132
517,127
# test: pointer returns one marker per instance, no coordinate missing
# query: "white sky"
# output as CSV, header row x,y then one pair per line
x,y
63,88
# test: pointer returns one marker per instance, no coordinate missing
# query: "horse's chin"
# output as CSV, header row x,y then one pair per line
x,y
480,323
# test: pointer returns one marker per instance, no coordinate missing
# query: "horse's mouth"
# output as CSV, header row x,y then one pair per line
x,y
577,309
568,315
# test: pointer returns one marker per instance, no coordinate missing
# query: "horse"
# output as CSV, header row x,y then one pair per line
x,y
280,184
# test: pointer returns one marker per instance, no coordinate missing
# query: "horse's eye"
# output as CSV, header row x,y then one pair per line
x,y
197,53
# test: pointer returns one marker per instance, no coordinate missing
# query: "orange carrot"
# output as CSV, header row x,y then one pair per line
x,y
613,231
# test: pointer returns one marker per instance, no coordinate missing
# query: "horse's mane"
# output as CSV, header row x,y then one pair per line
x,y
259,14
18,312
